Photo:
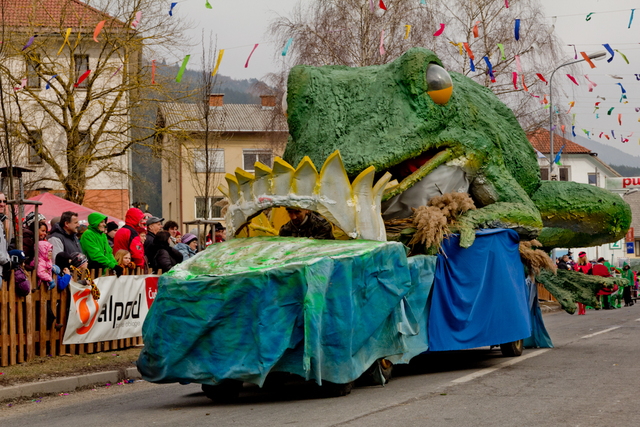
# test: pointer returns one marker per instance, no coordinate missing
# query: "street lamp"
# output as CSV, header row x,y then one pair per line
x,y
597,55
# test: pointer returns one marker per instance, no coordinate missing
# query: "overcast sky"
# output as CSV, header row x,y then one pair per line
x,y
240,24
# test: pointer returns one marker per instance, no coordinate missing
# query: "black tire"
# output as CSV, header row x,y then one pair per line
x,y
512,349
225,392
330,389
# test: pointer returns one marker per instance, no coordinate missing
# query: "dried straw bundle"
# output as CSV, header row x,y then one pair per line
x,y
535,259
431,225
453,205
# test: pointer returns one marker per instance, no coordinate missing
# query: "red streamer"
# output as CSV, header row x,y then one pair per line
x,y
542,78
83,77
515,80
468,49
153,72
573,79
437,33
254,48
382,6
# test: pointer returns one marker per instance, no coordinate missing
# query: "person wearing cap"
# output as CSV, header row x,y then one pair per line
x,y
112,228
306,223
154,225
128,237
600,269
583,266
188,246
96,245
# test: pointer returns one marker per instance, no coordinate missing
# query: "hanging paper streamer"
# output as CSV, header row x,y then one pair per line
x,y
286,47
620,119
493,79
207,5
381,41
506,4
586,132
473,67
97,30
517,29
114,74
613,76
631,19
562,127
637,109
571,104
66,40
22,85
382,6
610,110
215,70
475,30
458,45
29,43
589,16
466,47
573,130
524,85
573,79
421,2
574,119
600,136
600,97
153,72
518,64
557,159
607,136
596,108
621,87
136,21
408,29
437,33
371,5
575,52
182,68
553,128
253,50
586,58
541,78
502,51
592,85
82,78
171,10
606,46
545,98
515,80
597,116
623,56
49,82
556,109
613,135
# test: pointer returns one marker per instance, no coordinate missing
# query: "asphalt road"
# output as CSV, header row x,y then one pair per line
x,y
590,379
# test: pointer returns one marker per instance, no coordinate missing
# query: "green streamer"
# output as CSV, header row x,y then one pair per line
x,y
609,113
502,50
207,5
574,120
182,68
589,16
623,56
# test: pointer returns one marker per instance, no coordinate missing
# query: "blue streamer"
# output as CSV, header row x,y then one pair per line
x,y
473,67
556,108
171,10
620,84
49,81
613,135
423,1
486,59
28,43
631,19
517,29
557,159
286,48
573,130
606,46
597,116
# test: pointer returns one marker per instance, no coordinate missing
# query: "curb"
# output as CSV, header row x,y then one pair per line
x,y
67,384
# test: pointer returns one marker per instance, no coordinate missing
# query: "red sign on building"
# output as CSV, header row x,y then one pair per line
x,y
629,237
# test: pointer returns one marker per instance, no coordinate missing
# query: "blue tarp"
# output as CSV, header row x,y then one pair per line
x,y
479,295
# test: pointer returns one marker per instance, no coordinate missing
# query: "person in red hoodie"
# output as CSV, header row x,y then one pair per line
x,y
602,270
583,266
128,237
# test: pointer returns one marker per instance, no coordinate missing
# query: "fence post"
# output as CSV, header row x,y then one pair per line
x,y
12,320
4,337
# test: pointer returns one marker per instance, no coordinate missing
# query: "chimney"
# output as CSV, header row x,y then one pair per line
x,y
268,101
215,99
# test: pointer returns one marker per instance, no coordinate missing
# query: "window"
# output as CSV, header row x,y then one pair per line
x,y
35,138
544,174
593,179
84,139
33,65
564,174
216,160
206,209
250,157
82,66
563,171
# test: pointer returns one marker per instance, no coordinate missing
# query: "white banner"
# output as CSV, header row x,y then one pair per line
x,y
622,183
120,312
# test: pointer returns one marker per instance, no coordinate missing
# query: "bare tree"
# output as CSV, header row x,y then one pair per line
x,y
84,113
349,32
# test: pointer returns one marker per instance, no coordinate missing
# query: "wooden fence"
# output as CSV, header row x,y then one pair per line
x,y
25,334
544,294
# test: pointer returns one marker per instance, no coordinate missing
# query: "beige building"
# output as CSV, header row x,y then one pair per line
x,y
238,136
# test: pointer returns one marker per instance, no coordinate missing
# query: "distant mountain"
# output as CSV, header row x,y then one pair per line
x,y
626,170
610,155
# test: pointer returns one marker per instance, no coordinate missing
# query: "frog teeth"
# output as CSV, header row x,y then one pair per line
x,y
353,207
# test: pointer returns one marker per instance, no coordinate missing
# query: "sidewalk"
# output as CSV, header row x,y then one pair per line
x,y
63,374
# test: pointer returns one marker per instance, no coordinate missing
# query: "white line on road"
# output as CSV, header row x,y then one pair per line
x,y
637,320
601,332
486,371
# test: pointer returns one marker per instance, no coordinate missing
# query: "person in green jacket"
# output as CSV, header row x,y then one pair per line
x,y
627,273
96,246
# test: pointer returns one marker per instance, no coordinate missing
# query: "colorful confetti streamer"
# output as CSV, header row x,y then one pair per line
x,y
592,85
620,119
371,4
253,50
459,45
82,78
475,30
468,49
610,110
606,46
381,41
382,6
573,79
506,4
515,80
574,119
623,56
408,29
97,31
215,70
171,10
66,41
29,43
286,47
472,65
524,85
136,21
571,104
589,16
207,5
486,59
153,72
182,68
22,85
117,71
517,29
518,66
575,52
542,78
437,33
502,51
573,131
631,19
621,87
49,82
587,59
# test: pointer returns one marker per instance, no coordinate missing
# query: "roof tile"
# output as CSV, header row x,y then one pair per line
x,y
51,13
541,141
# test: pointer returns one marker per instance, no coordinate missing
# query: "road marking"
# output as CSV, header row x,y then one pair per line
x,y
601,332
513,361
637,320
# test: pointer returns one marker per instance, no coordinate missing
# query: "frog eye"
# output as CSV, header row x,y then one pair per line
x,y
439,84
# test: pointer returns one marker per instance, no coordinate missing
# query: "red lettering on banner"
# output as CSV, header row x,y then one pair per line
x,y
625,182
151,289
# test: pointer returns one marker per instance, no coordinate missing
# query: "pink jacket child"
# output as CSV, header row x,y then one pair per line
x,y
45,263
